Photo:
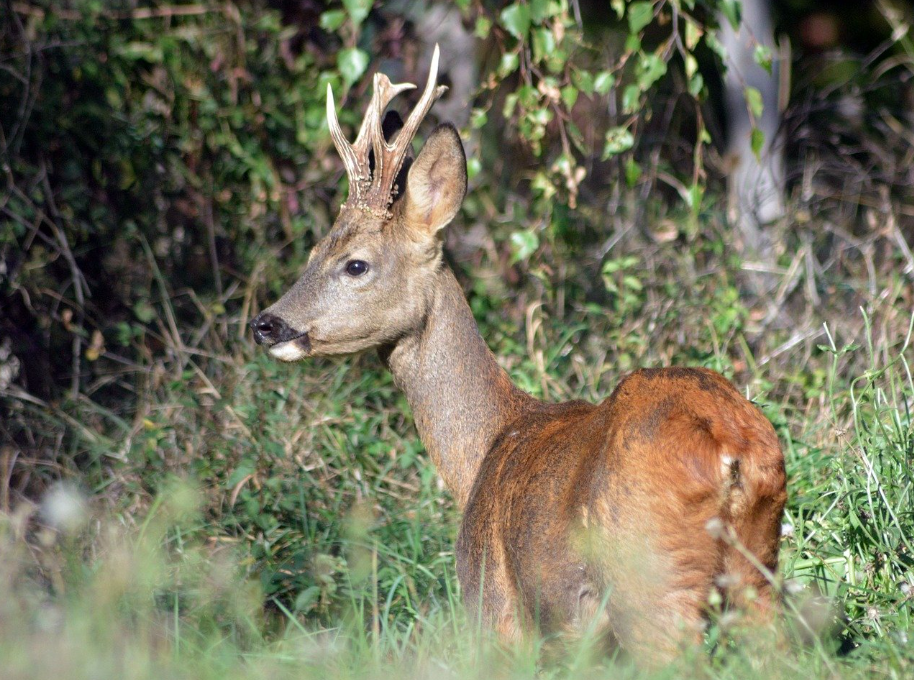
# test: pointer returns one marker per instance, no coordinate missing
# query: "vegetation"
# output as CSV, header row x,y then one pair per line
x,y
173,502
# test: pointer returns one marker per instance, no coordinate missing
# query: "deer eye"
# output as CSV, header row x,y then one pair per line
x,y
356,267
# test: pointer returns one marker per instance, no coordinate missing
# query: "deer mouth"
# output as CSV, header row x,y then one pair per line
x,y
292,349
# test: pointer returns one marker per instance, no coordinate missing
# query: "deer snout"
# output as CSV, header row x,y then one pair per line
x,y
269,329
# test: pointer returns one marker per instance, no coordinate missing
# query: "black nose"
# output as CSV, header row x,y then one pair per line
x,y
270,329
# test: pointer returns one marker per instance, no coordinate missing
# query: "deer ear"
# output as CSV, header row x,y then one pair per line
x,y
437,182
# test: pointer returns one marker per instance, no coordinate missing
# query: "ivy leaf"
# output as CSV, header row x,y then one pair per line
x,y
762,56
693,33
603,82
474,165
332,19
640,15
757,141
516,18
358,10
631,97
351,63
508,64
618,140
482,28
524,244
651,68
543,43
733,10
540,10
583,80
754,101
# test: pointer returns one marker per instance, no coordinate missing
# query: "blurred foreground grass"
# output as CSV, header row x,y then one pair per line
x,y
175,504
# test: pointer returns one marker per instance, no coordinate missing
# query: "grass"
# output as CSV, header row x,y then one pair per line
x,y
243,518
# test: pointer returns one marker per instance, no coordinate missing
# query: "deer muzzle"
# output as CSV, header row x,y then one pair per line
x,y
283,341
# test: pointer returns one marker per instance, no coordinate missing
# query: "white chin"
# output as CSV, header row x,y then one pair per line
x,y
287,351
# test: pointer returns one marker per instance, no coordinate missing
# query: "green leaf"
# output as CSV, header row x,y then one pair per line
x,y
651,68
540,10
632,172
144,51
523,244
762,56
508,64
631,98
474,165
640,15
144,311
583,80
693,33
733,10
351,63
569,96
632,282
691,65
332,19
307,599
478,118
516,19
618,140
716,46
694,196
510,104
753,101
543,43
757,141
358,10
482,28
619,7
603,82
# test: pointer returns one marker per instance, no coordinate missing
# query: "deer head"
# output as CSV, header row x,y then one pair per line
x,y
368,282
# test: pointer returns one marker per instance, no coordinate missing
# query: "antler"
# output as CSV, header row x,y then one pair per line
x,y
376,190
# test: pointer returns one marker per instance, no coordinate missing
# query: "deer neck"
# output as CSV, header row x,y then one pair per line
x,y
460,397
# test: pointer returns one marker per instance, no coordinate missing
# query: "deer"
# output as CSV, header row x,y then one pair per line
x,y
620,517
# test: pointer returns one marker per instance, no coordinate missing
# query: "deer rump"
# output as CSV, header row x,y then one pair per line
x,y
621,517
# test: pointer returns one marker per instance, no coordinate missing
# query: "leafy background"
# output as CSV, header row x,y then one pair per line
x,y
169,495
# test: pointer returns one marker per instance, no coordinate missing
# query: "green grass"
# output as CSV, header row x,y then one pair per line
x,y
250,519
229,516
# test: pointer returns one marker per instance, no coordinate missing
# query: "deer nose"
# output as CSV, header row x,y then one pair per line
x,y
270,329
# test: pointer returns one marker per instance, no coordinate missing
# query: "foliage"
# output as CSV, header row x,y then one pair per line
x,y
166,170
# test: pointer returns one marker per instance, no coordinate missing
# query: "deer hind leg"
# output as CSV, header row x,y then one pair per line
x,y
659,564
657,613
751,546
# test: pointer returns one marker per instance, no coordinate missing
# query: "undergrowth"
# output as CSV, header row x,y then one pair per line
x,y
173,503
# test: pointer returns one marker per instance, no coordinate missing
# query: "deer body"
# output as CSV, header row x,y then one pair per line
x,y
576,516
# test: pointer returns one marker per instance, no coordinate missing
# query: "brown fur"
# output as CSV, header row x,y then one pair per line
x,y
575,515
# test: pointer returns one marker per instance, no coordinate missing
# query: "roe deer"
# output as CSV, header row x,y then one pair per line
x,y
574,514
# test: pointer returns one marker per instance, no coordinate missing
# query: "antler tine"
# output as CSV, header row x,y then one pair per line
x,y
389,157
431,93
384,92
343,147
